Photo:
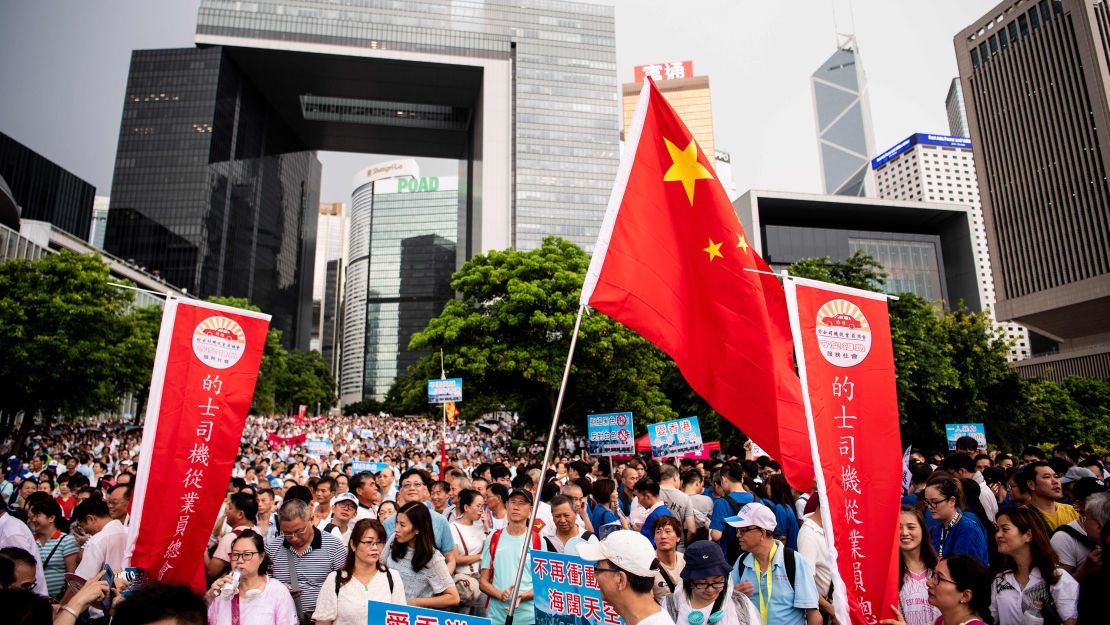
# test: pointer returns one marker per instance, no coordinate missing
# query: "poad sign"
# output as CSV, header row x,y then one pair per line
x,y
671,70
203,381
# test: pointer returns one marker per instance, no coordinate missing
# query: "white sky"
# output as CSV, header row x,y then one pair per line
x,y
64,63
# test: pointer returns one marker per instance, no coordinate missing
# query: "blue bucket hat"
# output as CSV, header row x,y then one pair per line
x,y
704,558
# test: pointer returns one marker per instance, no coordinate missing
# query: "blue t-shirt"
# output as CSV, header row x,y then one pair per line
x,y
445,541
721,511
966,537
788,603
646,530
504,574
786,523
600,516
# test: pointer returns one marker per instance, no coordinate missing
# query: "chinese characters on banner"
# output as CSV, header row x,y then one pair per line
x,y
670,70
847,367
953,431
675,438
393,614
204,375
565,586
610,434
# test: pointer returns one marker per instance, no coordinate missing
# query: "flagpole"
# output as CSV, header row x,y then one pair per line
x,y
443,443
840,596
543,470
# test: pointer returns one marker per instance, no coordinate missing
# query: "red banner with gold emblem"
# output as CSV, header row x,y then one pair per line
x,y
205,370
846,363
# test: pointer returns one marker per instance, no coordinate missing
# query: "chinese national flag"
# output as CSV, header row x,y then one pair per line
x,y
670,264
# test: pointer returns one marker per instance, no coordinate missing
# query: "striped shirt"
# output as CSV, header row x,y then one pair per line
x,y
325,554
55,567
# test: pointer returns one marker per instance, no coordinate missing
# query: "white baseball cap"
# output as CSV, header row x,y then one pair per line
x,y
628,550
754,514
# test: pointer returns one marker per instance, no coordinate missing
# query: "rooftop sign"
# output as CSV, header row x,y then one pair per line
x,y
665,71
920,138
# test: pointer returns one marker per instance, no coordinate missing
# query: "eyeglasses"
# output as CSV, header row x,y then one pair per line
x,y
707,585
372,543
411,484
299,532
750,528
932,503
242,555
607,569
936,578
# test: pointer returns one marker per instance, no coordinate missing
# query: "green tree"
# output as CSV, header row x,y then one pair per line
x,y
272,367
507,336
306,380
859,271
148,320
71,346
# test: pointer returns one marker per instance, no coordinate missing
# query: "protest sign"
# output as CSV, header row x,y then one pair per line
x,y
443,391
318,447
675,438
395,614
952,431
566,592
610,434
360,466
365,433
204,375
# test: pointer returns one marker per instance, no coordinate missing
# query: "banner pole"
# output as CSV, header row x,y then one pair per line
x,y
543,470
840,597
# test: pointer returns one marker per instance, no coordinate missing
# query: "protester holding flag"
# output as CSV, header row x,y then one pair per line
x,y
364,577
916,564
411,550
259,599
705,593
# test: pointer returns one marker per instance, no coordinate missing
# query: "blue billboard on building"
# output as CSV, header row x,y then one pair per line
x,y
919,138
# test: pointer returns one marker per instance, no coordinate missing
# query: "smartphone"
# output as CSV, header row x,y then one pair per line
x,y
109,576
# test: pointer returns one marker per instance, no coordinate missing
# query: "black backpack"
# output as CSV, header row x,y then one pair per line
x,y
791,565
729,543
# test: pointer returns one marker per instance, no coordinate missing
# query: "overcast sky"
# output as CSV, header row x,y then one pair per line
x,y
63,67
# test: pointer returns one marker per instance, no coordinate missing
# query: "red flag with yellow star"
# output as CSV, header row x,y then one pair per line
x,y
670,264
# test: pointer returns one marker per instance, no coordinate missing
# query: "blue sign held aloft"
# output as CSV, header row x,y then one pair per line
x,y
360,466
567,593
675,438
379,613
952,431
442,391
610,434
318,447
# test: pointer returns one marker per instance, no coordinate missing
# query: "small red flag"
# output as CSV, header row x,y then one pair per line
x,y
670,264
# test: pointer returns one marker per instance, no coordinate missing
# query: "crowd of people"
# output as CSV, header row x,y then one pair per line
x,y
311,538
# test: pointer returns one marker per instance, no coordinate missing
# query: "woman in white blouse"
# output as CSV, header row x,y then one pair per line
x,y
364,577
470,539
1030,573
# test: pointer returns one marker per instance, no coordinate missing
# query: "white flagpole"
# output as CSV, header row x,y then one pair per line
x,y
840,595
543,470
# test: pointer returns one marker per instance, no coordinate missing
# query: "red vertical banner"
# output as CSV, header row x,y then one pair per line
x,y
204,374
846,363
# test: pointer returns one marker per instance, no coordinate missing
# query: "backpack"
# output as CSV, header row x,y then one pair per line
x,y
1081,538
495,538
788,561
728,535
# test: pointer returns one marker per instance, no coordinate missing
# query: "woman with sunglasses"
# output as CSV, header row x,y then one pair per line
x,y
917,560
703,596
364,577
412,552
1029,572
957,533
960,587
260,599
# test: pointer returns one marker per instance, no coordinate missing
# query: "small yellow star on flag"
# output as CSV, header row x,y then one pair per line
x,y
743,243
685,167
714,250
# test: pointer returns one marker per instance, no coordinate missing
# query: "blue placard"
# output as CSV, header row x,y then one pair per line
x,y
611,434
378,613
364,433
952,431
566,592
358,466
675,438
318,447
920,138
442,391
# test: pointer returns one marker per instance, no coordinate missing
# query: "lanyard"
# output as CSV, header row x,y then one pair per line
x,y
763,606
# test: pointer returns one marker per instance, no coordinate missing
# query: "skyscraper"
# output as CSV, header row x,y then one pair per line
x,y
330,242
844,136
99,226
43,190
941,169
957,112
1038,108
401,257
686,93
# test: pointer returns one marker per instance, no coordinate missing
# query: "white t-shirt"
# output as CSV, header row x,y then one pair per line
x,y
105,547
812,546
1072,552
1008,598
473,539
15,533
350,607
659,618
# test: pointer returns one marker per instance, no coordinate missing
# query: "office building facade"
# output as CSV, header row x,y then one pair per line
x,y
401,255
45,191
1038,107
842,110
688,94
331,241
99,226
941,169
957,113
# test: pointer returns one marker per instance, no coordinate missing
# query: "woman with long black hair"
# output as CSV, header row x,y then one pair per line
x,y
364,577
957,533
412,552
1028,572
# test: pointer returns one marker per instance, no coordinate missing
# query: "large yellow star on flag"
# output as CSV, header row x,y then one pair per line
x,y
685,167
714,250
743,243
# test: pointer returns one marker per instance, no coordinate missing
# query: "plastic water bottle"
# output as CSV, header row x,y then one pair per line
x,y
1033,616
231,588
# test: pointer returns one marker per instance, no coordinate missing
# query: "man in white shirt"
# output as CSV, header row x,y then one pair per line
x,y
387,484
107,539
812,546
15,533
